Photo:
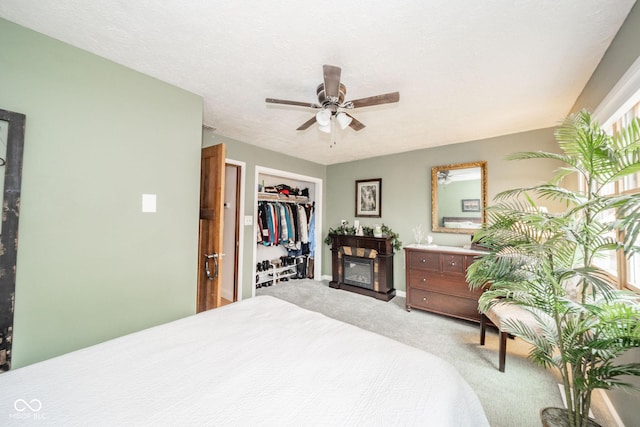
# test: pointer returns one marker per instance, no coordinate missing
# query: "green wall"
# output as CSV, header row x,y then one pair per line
x,y
406,185
622,52
255,156
91,266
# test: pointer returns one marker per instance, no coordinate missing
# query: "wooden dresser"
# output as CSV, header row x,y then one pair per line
x,y
436,281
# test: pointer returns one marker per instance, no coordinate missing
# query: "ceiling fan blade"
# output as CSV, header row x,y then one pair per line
x,y
355,123
386,98
331,75
285,102
306,124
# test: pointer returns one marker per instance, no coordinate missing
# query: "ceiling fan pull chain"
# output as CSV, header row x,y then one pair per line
x,y
333,130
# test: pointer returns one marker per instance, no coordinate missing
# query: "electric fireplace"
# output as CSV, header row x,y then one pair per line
x,y
363,265
358,271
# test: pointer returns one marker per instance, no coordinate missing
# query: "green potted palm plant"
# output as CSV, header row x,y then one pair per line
x,y
546,262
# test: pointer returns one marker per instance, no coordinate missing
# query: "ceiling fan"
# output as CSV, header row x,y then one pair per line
x,y
444,177
331,103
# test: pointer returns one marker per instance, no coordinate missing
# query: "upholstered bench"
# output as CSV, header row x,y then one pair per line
x,y
497,314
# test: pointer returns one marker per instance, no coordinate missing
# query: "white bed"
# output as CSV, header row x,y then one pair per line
x,y
262,361
466,224
462,222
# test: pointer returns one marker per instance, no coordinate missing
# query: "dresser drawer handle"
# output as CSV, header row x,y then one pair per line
x,y
424,260
424,279
424,299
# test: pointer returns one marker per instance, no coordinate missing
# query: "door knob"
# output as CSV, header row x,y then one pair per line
x,y
215,257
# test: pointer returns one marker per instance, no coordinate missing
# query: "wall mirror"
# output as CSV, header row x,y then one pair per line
x,y
458,197
11,149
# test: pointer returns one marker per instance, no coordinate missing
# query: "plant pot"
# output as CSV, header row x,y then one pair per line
x,y
558,417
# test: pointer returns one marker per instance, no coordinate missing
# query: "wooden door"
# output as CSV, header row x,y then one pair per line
x,y
212,174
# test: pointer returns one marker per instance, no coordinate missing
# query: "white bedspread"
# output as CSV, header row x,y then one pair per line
x,y
262,361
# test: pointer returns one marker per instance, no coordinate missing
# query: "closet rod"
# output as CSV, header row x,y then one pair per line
x,y
271,197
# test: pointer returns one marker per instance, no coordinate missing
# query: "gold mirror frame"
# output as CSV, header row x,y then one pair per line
x,y
435,222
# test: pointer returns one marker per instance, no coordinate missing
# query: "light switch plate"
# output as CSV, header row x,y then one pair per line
x,y
248,220
148,203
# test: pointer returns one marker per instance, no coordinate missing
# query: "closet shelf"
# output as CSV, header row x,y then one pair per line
x,y
276,197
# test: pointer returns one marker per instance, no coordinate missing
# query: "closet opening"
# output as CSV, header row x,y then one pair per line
x,y
287,227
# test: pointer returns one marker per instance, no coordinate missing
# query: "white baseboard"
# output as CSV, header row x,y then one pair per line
x,y
402,294
611,408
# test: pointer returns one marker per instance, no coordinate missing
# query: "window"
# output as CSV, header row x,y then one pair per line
x,y
630,185
615,112
627,270
633,272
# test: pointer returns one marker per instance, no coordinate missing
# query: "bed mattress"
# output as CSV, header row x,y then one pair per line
x,y
262,361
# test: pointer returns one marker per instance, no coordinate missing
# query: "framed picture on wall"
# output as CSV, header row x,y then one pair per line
x,y
470,205
369,198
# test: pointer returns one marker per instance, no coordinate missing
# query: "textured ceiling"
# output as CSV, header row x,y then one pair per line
x,y
465,69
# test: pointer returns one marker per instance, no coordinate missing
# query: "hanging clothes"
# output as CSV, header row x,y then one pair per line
x,y
284,229
303,224
284,224
312,232
272,225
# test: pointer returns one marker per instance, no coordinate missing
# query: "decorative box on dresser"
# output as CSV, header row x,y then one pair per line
x,y
436,280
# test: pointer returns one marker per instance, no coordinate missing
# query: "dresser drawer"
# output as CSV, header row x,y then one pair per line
x,y
419,278
424,261
468,260
463,308
453,263
453,284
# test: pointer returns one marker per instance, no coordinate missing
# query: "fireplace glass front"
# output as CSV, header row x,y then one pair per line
x,y
358,271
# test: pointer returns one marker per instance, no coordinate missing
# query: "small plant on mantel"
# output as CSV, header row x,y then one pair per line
x,y
366,231
544,263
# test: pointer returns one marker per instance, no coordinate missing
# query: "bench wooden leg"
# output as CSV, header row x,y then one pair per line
x,y
502,351
483,328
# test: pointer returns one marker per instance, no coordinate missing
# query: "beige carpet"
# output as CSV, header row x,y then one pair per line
x,y
512,398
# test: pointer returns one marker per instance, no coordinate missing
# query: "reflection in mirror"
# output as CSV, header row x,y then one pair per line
x,y
458,197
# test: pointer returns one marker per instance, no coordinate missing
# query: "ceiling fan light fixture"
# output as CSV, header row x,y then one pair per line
x,y
325,128
344,120
324,118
